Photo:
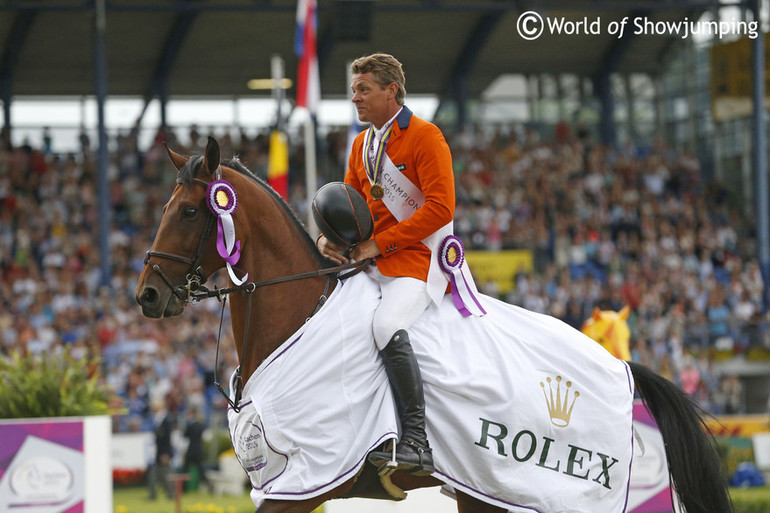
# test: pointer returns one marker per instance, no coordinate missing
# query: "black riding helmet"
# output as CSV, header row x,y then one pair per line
x,y
342,215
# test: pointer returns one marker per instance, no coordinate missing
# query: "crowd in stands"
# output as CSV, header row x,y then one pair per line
x,y
608,228
636,227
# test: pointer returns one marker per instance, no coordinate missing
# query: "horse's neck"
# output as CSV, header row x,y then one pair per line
x,y
273,248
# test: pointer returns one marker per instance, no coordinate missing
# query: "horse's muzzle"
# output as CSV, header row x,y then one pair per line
x,y
156,304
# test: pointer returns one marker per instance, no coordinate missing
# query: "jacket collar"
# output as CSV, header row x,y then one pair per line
x,y
404,117
402,122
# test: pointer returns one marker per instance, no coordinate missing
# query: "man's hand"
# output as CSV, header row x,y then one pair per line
x,y
364,250
331,251
335,253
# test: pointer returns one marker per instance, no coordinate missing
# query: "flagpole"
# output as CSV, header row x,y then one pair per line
x,y
276,70
352,132
311,181
278,160
355,125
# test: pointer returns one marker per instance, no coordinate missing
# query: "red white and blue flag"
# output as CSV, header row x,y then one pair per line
x,y
308,80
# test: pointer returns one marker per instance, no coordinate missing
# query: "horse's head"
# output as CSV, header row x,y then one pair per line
x,y
184,251
610,329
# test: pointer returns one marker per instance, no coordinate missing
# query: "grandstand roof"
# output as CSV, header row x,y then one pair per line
x,y
211,48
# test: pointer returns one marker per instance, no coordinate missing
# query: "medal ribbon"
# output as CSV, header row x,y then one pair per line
x,y
373,168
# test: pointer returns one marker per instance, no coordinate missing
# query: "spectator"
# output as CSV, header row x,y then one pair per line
x,y
160,470
689,377
193,459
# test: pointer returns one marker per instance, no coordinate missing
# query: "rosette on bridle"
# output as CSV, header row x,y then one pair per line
x,y
222,201
451,256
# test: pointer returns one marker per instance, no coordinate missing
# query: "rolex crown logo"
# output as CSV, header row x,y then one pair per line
x,y
559,408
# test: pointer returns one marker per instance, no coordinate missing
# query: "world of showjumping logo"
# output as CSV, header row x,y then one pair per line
x,y
532,25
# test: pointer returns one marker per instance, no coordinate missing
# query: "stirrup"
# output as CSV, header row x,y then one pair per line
x,y
390,466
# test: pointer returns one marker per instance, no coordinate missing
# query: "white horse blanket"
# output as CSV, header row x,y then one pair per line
x,y
523,411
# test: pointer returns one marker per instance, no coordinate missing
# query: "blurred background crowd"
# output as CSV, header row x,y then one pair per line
x,y
607,228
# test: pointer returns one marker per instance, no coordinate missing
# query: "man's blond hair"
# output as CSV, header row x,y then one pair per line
x,y
385,69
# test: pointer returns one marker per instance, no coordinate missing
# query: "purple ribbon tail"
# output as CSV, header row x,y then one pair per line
x,y
222,248
233,259
473,296
458,301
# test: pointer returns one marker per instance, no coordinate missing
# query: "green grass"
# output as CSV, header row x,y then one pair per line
x,y
751,500
754,493
134,500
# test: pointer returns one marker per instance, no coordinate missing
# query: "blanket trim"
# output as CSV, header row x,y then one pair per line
x,y
307,494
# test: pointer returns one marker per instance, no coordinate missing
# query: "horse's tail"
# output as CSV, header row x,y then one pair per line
x,y
693,462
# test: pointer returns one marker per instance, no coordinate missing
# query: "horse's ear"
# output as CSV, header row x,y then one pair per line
x,y
176,158
597,314
623,313
211,157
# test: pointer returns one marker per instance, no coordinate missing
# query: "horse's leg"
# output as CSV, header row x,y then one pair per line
x,y
468,504
305,506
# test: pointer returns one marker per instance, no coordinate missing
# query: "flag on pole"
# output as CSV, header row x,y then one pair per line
x,y
308,79
308,93
278,164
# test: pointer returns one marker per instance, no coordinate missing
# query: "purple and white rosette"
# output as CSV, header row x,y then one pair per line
x,y
451,256
222,201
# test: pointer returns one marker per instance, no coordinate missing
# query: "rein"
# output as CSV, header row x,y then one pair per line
x,y
251,286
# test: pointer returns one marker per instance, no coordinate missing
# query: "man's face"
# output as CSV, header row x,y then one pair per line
x,y
373,102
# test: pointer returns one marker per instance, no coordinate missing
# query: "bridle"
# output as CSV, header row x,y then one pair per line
x,y
194,290
195,277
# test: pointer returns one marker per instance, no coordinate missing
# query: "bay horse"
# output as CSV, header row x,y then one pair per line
x,y
286,282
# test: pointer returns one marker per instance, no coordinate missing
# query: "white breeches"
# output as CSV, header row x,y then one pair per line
x,y
404,300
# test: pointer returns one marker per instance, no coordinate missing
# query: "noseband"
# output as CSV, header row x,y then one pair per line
x,y
195,277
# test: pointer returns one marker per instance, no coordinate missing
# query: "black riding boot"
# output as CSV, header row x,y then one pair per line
x,y
412,451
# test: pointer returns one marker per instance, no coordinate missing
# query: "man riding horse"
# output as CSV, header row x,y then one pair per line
x,y
397,138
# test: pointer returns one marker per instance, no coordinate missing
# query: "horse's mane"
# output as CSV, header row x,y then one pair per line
x,y
188,171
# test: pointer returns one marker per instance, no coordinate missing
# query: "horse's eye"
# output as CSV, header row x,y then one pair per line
x,y
189,212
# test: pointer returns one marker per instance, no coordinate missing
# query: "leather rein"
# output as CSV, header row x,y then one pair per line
x,y
194,290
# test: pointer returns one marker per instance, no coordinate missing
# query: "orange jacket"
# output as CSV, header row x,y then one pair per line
x,y
419,150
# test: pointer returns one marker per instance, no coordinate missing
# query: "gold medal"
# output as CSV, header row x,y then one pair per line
x,y
377,191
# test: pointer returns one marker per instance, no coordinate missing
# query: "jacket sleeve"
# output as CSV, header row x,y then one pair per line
x,y
433,165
